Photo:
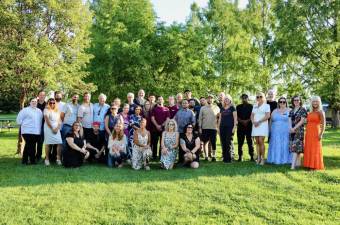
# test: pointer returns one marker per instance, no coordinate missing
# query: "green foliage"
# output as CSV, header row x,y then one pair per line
x,y
42,45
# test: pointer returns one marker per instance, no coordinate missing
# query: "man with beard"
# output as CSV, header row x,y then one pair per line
x,y
68,116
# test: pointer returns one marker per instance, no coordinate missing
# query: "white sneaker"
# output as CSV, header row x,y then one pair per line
x,y
58,162
47,162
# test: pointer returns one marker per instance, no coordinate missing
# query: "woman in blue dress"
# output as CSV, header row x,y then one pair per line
x,y
170,142
278,152
134,124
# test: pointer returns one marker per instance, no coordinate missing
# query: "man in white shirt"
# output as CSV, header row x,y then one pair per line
x,y
85,114
30,120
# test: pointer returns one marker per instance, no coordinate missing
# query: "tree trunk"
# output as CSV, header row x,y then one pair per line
x,y
335,118
20,143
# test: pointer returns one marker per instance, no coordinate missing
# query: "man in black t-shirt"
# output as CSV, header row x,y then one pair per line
x,y
41,105
271,100
95,144
244,127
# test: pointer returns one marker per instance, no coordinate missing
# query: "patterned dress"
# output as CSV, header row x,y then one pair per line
x,y
169,141
134,120
296,139
140,155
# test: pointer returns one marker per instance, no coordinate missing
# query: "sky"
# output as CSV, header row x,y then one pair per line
x,y
171,11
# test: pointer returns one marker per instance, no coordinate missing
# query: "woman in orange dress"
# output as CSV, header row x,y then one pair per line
x,y
313,158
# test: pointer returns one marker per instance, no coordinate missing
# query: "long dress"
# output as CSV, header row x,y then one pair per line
x,y
140,155
296,139
278,152
313,150
134,120
169,141
259,113
50,137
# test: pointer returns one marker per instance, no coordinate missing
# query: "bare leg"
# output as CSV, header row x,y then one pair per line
x,y
47,152
294,161
59,152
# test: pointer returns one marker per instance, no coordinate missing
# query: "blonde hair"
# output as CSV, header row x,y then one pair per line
x,y
315,98
167,125
228,96
263,96
48,107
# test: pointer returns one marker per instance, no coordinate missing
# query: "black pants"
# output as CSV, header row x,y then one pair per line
x,y
180,150
156,137
226,137
40,145
243,133
31,141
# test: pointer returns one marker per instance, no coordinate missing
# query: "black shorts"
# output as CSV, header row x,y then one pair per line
x,y
209,135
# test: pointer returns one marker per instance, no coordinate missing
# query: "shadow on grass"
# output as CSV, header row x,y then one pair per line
x,y
14,174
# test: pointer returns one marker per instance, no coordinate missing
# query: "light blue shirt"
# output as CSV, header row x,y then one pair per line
x,y
99,112
30,120
71,112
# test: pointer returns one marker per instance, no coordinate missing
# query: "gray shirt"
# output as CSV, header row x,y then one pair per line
x,y
71,112
86,113
184,117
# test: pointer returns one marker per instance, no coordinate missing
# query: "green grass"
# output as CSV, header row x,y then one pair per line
x,y
239,193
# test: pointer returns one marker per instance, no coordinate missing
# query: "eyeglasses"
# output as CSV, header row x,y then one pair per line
x,y
171,124
51,103
296,100
113,108
259,96
282,102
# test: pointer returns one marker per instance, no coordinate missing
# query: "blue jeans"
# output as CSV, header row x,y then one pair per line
x,y
116,158
64,131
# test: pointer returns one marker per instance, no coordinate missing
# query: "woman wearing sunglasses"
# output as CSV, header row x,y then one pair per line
x,y
52,130
260,130
297,119
169,145
278,152
190,145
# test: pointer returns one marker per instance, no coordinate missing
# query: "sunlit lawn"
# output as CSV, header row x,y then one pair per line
x,y
216,193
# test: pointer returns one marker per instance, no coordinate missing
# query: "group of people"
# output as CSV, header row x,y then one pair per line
x,y
181,132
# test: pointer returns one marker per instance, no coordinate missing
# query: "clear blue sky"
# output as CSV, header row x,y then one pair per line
x,y
171,11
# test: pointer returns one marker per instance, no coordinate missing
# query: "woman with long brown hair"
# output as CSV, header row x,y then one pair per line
x,y
117,146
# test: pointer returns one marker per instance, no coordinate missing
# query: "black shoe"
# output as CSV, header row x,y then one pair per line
x,y
252,159
239,159
206,159
213,159
227,161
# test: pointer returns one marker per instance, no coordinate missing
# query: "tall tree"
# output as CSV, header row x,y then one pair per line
x,y
42,45
308,38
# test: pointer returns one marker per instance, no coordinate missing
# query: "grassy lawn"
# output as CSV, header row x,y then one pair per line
x,y
239,193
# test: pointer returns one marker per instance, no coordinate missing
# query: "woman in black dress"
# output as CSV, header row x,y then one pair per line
x,y
190,144
76,148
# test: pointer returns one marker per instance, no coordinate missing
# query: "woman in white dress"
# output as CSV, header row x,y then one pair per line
x,y
52,130
260,130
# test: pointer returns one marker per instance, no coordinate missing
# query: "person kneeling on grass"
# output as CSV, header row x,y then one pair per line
x,y
117,146
141,150
95,144
190,144
75,152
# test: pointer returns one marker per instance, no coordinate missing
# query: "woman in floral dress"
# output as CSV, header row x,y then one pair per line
x,y
170,142
297,119
134,124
